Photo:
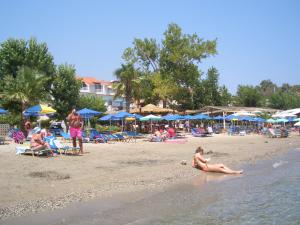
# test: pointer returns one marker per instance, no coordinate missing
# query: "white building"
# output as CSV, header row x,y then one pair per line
x,y
92,86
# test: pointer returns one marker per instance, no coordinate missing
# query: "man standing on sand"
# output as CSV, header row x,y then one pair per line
x,y
76,124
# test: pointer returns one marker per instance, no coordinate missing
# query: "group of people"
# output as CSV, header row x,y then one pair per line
x,y
163,134
38,135
76,124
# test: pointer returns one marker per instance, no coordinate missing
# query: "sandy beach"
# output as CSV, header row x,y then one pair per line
x,y
34,184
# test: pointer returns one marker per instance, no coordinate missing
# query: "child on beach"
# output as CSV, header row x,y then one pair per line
x,y
199,162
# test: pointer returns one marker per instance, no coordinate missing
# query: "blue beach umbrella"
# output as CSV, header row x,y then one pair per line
x,y
201,116
38,110
3,111
170,117
218,118
88,113
188,117
232,117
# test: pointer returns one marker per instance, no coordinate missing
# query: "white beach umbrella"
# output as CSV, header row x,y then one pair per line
x,y
297,124
151,118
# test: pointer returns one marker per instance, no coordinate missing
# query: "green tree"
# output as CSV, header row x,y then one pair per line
x,y
284,100
248,96
91,102
65,90
163,89
26,89
225,96
267,88
211,88
176,59
128,84
16,53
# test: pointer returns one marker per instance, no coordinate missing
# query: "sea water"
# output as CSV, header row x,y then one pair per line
x,y
267,193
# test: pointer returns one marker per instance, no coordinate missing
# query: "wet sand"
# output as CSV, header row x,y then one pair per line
x,y
35,184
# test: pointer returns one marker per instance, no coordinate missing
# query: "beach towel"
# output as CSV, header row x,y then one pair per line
x,y
176,141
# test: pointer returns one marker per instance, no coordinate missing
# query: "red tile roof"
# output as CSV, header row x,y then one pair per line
x,y
92,80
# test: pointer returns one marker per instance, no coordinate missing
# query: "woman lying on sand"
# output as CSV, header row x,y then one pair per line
x,y
199,162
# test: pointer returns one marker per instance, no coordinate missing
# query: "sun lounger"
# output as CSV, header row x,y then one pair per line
x,y
198,132
23,149
65,136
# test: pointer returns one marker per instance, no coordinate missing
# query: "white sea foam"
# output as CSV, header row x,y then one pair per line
x,y
280,163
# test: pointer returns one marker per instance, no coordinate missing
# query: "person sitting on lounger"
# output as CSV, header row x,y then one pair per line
x,y
157,136
199,162
37,143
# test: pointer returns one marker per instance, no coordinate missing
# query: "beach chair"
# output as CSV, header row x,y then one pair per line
x,y
96,137
271,133
66,136
121,137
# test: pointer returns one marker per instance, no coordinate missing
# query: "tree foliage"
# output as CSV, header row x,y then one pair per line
x,y
284,100
174,62
65,90
128,84
248,96
17,53
25,89
91,102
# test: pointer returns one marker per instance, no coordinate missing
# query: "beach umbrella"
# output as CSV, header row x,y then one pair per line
x,y
151,118
188,117
258,119
297,124
297,119
150,108
201,116
39,110
170,117
87,113
218,117
271,121
3,111
282,120
232,117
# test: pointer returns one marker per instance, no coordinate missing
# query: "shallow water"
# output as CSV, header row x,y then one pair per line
x,y
268,193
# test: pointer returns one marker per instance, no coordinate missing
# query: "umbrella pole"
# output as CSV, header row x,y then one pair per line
x,y
224,121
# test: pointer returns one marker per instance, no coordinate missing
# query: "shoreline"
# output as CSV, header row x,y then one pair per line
x,y
139,170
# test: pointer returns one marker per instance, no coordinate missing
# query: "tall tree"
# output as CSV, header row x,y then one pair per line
x,y
249,96
16,53
211,88
26,89
267,88
128,84
225,96
176,59
65,90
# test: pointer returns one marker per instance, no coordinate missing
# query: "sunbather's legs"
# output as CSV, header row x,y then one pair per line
x,y
220,168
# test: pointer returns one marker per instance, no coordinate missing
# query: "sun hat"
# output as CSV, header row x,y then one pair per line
x,y
36,130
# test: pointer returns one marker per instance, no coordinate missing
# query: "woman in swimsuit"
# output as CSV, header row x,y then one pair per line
x,y
199,162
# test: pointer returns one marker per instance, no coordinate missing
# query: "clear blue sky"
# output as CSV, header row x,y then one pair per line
x,y
257,39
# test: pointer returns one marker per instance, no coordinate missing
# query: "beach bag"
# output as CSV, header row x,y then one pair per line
x,y
18,136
